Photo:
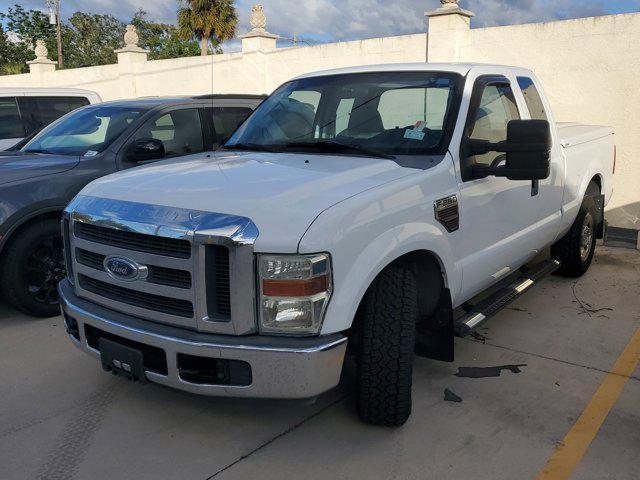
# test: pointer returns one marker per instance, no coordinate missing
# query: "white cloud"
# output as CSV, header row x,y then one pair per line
x,y
331,20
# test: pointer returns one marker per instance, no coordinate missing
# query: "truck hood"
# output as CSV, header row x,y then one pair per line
x,y
16,166
281,193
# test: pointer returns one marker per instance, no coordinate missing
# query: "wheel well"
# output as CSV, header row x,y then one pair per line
x,y
596,180
55,215
430,276
594,190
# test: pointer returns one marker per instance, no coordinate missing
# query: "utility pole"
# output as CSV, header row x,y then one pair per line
x,y
59,34
54,19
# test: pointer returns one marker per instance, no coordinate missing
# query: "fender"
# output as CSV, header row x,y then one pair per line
x,y
366,233
353,282
24,215
576,184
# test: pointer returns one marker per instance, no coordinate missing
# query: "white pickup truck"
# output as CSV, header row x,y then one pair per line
x,y
363,208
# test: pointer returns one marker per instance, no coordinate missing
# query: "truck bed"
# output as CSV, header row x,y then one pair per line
x,y
573,134
589,153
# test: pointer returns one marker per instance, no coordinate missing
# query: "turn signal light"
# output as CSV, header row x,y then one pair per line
x,y
295,288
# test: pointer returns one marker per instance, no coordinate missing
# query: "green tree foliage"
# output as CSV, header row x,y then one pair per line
x,y
12,55
161,39
209,21
93,40
87,39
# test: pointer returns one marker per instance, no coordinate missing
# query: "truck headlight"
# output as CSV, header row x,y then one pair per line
x,y
294,293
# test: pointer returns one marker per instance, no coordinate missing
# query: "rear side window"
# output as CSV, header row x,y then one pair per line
x,y
180,131
533,99
38,112
226,120
11,125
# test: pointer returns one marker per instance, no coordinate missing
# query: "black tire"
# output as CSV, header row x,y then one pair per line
x,y
576,249
32,267
386,342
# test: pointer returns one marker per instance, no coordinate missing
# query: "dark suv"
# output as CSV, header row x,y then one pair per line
x,y
47,171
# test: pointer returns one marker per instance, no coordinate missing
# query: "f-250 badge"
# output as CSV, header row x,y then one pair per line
x,y
447,213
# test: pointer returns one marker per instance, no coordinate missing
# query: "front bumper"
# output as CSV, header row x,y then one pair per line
x,y
280,367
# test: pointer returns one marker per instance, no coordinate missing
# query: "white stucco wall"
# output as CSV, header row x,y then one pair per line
x,y
590,68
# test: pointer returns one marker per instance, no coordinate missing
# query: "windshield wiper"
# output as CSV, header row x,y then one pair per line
x,y
38,150
332,145
253,147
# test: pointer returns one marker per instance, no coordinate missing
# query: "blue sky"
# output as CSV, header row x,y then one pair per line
x,y
332,20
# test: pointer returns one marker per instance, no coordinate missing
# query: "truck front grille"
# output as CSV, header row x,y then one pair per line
x,y
170,277
148,301
178,267
139,242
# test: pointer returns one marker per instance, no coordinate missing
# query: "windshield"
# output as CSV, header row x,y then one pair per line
x,y
85,132
389,114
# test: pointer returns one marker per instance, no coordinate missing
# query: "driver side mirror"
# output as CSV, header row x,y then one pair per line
x,y
144,150
527,148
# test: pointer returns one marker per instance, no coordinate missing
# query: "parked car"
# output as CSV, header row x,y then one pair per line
x,y
365,207
38,180
27,110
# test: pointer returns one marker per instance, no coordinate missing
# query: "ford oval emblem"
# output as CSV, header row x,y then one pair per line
x,y
124,269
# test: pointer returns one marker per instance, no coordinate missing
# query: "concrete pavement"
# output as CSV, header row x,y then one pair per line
x,y
61,417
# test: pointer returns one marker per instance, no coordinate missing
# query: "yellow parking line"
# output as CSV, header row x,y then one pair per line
x,y
569,453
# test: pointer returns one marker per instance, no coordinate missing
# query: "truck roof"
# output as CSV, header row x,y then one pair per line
x,y
461,68
46,91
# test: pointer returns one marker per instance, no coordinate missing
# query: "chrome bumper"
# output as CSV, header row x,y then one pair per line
x,y
280,367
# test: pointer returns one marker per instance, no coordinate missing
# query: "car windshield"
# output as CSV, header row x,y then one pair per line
x,y
370,114
85,132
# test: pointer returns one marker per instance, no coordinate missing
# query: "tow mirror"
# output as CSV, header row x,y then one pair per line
x,y
527,148
145,150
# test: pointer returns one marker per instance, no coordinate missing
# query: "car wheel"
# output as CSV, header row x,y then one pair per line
x,y
33,267
386,343
576,249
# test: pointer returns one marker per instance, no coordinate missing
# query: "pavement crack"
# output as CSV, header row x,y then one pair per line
x,y
278,436
566,362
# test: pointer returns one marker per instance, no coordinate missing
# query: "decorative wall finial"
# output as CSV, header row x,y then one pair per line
x,y
41,50
450,3
258,18
131,38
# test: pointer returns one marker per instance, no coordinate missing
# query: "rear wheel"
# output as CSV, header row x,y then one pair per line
x,y
386,343
32,268
577,248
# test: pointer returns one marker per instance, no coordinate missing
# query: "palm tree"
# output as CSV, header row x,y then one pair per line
x,y
207,20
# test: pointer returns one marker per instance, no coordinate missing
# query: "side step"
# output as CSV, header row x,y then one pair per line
x,y
479,314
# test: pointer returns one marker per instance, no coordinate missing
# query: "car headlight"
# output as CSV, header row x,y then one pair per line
x,y
294,293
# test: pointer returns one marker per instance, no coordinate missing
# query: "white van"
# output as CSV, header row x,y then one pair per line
x,y
27,110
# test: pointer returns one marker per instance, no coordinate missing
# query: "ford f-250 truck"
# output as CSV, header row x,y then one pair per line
x,y
362,208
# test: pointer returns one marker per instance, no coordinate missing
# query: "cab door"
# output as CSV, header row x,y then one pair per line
x,y
499,229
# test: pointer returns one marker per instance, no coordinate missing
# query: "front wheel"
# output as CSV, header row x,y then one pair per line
x,y
576,249
386,343
32,268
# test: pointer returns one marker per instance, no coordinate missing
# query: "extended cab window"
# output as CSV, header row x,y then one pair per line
x,y
493,107
10,122
180,131
533,99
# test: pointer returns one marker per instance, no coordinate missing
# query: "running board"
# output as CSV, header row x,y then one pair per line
x,y
488,307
